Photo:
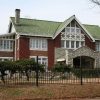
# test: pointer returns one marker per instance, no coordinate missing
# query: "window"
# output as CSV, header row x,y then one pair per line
x,y
72,30
77,44
82,43
68,29
67,44
6,58
72,38
42,60
72,44
97,46
6,45
77,30
62,43
38,44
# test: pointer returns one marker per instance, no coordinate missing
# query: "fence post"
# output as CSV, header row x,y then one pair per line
x,y
81,71
37,76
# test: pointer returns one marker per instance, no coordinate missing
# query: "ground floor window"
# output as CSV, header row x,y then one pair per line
x,y
42,60
6,58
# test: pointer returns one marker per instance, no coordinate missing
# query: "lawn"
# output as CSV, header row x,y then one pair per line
x,y
49,92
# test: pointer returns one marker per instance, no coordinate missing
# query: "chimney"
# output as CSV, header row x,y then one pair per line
x,y
17,16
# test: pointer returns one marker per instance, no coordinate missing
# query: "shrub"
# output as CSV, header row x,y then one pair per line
x,y
61,67
86,73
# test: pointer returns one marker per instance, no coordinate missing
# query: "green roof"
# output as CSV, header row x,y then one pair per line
x,y
36,27
94,30
47,28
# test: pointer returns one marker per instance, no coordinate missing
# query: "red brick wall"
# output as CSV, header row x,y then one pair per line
x,y
52,44
23,48
6,54
38,53
89,43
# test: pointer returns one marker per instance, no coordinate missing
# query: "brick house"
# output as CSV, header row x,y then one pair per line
x,y
51,41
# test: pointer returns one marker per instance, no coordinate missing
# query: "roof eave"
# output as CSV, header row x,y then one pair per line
x,y
33,35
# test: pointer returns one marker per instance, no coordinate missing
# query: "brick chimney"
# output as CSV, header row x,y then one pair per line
x,y
17,16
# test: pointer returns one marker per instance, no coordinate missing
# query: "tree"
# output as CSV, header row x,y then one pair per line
x,y
97,2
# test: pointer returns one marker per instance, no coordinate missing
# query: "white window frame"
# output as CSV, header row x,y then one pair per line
x,y
70,39
97,45
41,60
6,45
39,44
9,58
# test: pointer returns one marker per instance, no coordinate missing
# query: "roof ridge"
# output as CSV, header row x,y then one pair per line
x,y
91,25
39,20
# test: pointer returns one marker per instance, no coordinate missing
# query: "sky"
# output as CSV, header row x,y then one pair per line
x,y
53,10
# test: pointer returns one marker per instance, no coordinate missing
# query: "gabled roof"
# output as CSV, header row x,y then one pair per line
x,y
33,27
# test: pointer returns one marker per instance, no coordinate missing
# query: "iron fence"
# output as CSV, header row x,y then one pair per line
x,y
49,77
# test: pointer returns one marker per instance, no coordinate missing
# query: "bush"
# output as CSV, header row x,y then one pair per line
x,y
20,66
61,67
86,73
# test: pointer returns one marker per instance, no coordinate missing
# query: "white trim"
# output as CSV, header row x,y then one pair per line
x,y
67,22
85,29
7,57
3,58
7,34
13,25
41,61
34,35
40,45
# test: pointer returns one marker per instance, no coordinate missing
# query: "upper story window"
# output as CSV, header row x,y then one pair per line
x,y
72,37
6,45
38,44
97,45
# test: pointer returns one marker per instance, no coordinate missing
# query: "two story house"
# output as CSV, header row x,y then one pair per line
x,y
69,41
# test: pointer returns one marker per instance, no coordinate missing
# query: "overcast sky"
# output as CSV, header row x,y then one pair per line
x,y
56,10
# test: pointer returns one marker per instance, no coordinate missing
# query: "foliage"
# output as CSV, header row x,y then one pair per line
x,y
61,67
86,73
20,66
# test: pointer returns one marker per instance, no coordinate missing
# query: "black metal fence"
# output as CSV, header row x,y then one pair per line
x,y
75,76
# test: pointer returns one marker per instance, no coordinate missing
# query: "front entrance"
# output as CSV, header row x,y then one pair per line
x,y
84,62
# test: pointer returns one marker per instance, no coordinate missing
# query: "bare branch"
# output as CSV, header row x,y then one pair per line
x,y
97,2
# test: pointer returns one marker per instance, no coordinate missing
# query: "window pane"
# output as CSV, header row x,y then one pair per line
x,y
77,30
67,44
72,30
72,44
37,43
62,43
82,43
44,44
77,44
97,46
1,46
68,30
